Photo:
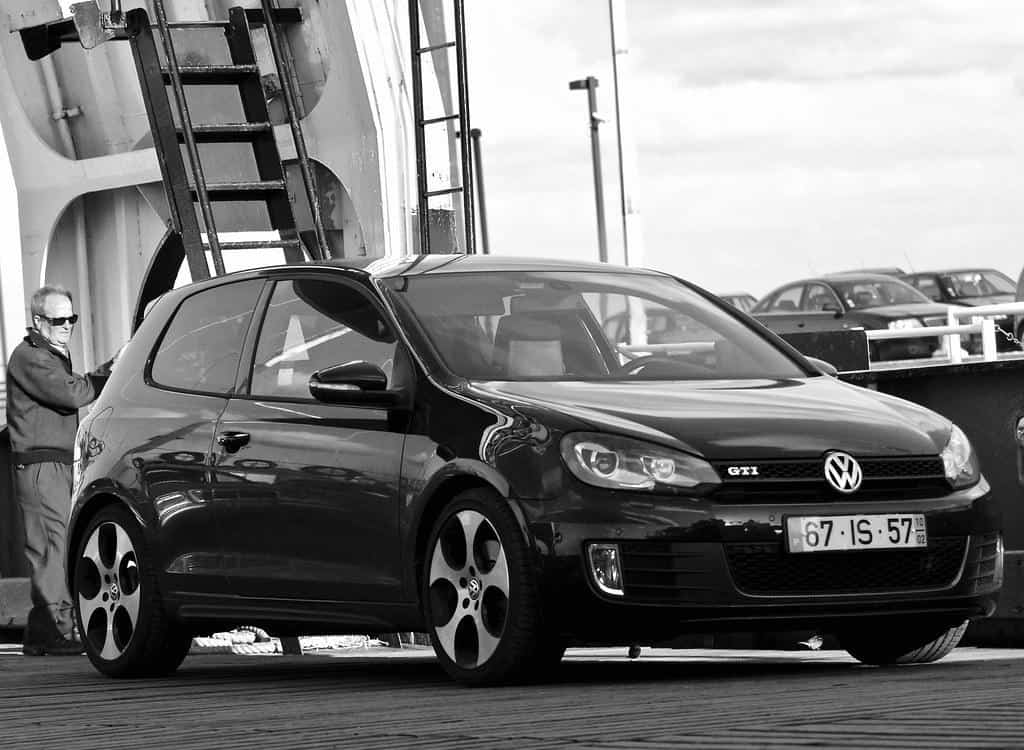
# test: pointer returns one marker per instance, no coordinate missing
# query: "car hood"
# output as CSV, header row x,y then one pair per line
x,y
991,299
729,419
910,310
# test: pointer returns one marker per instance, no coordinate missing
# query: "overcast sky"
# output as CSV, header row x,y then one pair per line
x,y
774,138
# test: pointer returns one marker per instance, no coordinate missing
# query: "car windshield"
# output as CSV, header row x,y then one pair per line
x,y
977,284
864,293
584,326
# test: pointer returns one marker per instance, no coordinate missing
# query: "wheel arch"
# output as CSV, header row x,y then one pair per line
x,y
86,512
436,499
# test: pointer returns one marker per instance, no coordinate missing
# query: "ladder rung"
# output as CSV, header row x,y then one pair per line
x,y
435,47
255,16
256,244
241,191
435,120
228,133
213,75
446,191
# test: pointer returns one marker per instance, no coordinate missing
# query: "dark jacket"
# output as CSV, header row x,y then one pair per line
x,y
43,399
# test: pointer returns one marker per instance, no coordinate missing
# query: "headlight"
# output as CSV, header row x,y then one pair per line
x,y
903,323
959,460
625,464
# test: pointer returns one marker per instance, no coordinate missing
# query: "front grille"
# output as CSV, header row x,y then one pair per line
x,y
767,569
803,480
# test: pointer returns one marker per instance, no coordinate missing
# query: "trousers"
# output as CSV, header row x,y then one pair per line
x,y
44,495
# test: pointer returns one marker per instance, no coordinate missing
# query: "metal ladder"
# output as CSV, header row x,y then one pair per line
x,y
465,189
184,193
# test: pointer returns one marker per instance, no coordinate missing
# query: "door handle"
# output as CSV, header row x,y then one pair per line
x,y
232,441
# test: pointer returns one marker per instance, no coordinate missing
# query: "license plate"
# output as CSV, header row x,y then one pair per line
x,y
828,533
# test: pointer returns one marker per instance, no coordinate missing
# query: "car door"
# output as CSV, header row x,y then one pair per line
x,y
193,368
310,490
821,310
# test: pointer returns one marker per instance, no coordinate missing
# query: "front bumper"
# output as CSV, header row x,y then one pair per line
x,y
698,566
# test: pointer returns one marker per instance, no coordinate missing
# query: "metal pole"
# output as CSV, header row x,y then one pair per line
x,y
463,92
481,202
590,84
632,229
292,106
421,142
190,138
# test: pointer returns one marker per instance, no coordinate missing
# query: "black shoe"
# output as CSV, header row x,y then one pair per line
x,y
56,647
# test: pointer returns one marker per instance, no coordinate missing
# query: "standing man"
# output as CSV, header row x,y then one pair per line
x,y
43,399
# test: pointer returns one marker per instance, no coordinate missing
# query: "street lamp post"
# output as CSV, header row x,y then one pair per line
x,y
590,84
481,205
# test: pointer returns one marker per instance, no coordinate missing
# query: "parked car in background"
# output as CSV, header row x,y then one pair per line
x,y
451,444
740,300
884,270
971,287
855,300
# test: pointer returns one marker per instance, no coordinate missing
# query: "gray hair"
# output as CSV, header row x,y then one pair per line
x,y
36,306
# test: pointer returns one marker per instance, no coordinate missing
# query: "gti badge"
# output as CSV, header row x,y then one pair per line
x,y
742,471
843,472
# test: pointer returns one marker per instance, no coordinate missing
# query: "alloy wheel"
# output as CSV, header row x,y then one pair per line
x,y
469,589
108,588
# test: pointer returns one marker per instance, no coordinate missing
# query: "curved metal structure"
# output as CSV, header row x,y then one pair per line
x,y
92,210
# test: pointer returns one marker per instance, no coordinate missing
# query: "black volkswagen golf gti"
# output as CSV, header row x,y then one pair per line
x,y
451,444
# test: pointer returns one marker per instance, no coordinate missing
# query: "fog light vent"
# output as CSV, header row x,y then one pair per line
x,y
605,567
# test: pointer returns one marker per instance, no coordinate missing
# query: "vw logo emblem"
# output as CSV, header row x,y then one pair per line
x,y
843,472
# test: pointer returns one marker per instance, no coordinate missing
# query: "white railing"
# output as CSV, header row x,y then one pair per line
x,y
686,347
982,322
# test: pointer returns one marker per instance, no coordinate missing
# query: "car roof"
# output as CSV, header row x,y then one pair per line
x,y
419,265
966,269
848,275
842,276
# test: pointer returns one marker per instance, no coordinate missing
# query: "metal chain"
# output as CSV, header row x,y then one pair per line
x,y
1010,337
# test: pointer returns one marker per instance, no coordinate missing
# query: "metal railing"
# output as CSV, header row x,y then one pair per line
x,y
982,321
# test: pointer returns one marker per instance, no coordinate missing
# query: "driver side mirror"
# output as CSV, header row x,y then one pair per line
x,y
832,308
361,383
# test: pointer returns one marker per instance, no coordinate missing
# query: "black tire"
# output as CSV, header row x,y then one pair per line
x,y
114,581
485,629
902,645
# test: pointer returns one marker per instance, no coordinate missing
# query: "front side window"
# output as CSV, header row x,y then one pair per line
x,y
928,285
312,324
820,298
787,300
583,326
201,347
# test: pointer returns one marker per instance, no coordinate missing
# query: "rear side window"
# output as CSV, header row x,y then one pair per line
x,y
201,347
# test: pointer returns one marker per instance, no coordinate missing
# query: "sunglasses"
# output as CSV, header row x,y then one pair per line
x,y
57,322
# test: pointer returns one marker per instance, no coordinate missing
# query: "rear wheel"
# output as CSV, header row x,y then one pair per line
x,y
912,644
480,595
118,605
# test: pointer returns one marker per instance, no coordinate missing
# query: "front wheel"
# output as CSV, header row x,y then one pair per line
x,y
480,595
915,644
117,601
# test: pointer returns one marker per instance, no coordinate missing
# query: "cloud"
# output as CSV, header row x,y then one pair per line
x,y
774,138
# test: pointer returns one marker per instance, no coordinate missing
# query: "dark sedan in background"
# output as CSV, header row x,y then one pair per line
x,y
855,300
971,287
